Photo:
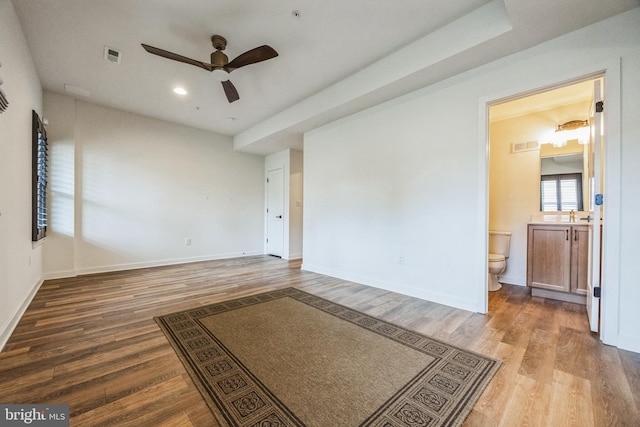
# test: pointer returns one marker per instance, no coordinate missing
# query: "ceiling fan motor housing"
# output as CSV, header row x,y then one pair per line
x,y
219,59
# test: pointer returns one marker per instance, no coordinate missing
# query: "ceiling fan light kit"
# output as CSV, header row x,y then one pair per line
x,y
220,67
220,75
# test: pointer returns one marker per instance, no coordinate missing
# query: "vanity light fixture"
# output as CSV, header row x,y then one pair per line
x,y
575,129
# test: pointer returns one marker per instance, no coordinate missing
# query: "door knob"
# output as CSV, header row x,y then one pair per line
x,y
279,216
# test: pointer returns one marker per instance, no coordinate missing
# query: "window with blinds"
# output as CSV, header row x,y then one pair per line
x,y
38,179
561,193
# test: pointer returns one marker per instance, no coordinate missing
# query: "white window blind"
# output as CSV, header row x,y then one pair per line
x,y
561,193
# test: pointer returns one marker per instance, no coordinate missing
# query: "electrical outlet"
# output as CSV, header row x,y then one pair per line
x,y
187,241
401,260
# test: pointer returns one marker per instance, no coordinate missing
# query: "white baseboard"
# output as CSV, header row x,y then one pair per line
x,y
513,280
9,328
628,342
60,274
146,264
463,304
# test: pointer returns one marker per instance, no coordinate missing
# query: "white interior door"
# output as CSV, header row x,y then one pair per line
x,y
275,212
595,180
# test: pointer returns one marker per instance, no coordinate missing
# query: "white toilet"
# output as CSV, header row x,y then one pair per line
x,y
499,246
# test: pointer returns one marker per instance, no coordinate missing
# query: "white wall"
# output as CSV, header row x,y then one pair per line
x,y
296,209
407,178
514,181
20,260
629,252
59,252
390,197
141,186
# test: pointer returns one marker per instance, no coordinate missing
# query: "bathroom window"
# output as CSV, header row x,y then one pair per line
x,y
561,193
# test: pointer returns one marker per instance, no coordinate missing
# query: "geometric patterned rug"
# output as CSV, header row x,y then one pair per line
x,y
290,358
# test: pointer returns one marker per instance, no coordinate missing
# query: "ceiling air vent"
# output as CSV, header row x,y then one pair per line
x,y
518,147
112,55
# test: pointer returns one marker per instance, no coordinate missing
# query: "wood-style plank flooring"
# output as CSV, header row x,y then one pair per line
x,y
91,342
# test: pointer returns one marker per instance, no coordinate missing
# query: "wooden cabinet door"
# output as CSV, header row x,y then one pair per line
x,y
579,259
549,257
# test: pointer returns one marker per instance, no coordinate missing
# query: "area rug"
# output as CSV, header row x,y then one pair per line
x,y
290,358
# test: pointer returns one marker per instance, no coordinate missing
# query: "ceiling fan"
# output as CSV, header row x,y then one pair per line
x,y
220,66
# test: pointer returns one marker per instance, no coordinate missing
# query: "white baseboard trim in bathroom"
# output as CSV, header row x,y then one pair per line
x,y
513,280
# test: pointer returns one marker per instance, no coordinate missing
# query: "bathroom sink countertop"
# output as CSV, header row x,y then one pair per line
x,y
561,219
559,222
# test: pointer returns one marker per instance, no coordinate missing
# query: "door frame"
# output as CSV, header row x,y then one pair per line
x,y
610,72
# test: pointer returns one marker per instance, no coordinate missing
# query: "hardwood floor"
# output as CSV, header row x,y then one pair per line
x,y
91,342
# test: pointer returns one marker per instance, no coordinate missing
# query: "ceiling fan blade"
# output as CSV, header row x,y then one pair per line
x,y
176,57
252,56
230,90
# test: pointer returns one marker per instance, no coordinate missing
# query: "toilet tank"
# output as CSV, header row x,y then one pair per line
x,y
499,242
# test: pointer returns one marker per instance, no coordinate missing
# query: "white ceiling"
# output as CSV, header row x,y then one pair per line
x,y
578,96
336,58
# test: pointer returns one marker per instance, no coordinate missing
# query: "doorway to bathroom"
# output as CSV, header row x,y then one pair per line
x,y
545,166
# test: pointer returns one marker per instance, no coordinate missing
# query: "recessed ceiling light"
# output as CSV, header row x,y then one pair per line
x,y
180,91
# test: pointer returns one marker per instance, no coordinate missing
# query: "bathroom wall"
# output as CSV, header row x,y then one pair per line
x,y
514,178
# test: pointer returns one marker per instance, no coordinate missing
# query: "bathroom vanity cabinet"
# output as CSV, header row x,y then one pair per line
x,y
558,261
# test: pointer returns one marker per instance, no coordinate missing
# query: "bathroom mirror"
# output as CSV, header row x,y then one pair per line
x,y
564,175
